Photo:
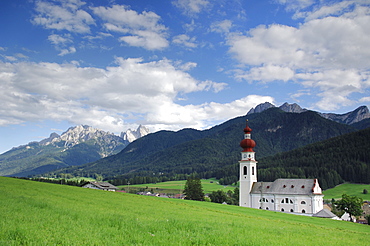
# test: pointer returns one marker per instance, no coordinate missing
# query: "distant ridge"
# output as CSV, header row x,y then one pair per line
x,y
78,145
357,115
349,118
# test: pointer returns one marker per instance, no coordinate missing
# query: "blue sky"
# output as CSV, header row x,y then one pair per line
x,y
173,64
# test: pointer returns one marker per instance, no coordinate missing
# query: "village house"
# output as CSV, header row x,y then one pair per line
x,y
299,196
100,186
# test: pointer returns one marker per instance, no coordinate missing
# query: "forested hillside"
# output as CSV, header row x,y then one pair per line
x,y
169,155
344,158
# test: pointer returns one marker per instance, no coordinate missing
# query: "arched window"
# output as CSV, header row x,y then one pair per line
x,y
303,202
272,200
286,200
252,170
245,170
291,210
291,201
267,208
303,211
282,210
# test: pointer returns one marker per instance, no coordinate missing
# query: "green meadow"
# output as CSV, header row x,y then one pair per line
x,y
174,187
349,189
34,213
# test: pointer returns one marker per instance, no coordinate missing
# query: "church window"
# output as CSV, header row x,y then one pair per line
x,y
249,155
291,210
252,170
303,211
303,202
282,210
268,187
286,200
245,170
302,186
267,208
292,186
264,200
272,200
291,201
284,186
282,201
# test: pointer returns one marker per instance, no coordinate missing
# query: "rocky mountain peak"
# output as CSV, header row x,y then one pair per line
x,y
292,108
78,134
261,107
48,140
132,135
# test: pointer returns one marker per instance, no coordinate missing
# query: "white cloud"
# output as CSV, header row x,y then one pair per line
x,y
67,51
365,99
60,39
185,40
327,52
63,15
191,7
296,5
267,73
221,26
204,115
109,97
144,29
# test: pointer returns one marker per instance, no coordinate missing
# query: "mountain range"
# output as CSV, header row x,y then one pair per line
x,y
86,152
78,145
213,152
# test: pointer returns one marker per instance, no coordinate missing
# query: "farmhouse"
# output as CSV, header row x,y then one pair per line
x,y
100,186
302,196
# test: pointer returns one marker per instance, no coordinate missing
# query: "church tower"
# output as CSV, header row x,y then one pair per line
x,y
248,168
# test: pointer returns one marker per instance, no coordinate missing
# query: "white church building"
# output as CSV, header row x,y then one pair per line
x,y
299,196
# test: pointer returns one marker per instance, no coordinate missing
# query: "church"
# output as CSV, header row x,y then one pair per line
x,y
299,196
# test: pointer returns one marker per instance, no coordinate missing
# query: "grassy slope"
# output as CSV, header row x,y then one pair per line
x,y
175,186
349,189
35,213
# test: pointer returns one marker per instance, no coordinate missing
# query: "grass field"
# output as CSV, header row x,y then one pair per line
x,y
349,189
34,213
174,187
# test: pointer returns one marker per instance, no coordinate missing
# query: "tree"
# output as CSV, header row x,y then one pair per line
x,y
193,189
235,196
350,204
218,196
367,217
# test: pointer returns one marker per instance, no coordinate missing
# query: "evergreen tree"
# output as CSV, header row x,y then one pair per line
x,y
193,189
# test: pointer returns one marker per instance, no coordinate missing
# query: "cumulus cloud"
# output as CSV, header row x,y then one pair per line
x,y
109,97
329,51
142,29
63,15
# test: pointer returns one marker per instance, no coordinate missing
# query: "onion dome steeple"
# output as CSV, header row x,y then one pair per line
x,y
247,143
